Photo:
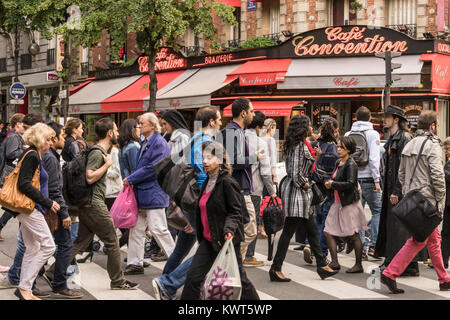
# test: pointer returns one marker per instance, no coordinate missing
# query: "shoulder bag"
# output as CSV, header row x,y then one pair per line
x,y
417,213
10,196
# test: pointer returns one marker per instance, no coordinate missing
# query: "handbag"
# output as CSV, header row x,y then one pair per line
x,y
223,281
176,218
11,197
417,213
178,181
52,220
273,220
318,196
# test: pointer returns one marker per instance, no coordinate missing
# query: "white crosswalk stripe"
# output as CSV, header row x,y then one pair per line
x,y
331,286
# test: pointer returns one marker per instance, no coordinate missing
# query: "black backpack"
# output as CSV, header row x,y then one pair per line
x,y
327,162
77,191
361,155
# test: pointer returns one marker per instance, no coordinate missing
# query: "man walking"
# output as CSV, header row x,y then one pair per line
x,y
56,275
151,199
11,149
94,216
430,181
368,159
236,144
392,234
262,176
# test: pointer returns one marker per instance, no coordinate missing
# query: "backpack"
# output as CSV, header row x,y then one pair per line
x,y
77,191
361,155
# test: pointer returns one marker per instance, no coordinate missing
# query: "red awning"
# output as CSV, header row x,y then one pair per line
x,y
439,71
81,86
132,98
256,0
260,72
233,3
269,108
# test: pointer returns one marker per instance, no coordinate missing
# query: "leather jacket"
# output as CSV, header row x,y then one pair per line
x,y
346,182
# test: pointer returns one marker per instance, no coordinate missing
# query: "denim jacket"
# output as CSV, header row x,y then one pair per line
x,y
127,158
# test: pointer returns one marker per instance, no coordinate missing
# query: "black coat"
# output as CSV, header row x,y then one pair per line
x,y
346,182
447,183
224,212
392,235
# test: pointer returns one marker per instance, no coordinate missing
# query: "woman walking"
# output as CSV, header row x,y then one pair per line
x,y
174,124
74,131
219,218
297,195
35,232
346,216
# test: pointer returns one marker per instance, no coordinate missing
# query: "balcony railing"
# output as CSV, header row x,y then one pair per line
x,y
234,44
274,36
409,29
51,53
3,65
84,68
25,61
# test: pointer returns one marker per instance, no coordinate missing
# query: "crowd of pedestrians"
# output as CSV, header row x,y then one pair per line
x,y
235,167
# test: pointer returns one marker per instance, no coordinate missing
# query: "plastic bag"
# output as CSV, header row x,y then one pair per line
x,y
74,279
223,281
125,209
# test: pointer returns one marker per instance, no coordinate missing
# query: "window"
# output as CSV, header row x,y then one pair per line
x,y
270,17
3,65
401,12
339,12
51,56
25,61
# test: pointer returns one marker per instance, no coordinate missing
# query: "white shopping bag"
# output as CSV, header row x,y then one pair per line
x,y
223,281
74,280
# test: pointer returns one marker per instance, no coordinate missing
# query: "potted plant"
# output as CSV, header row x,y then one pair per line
x,y
355,6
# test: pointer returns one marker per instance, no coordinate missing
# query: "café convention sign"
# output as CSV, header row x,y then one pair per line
x,y
341,41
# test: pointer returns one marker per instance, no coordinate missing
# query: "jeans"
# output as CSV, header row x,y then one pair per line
x,y
374,200
14,271
169,283
411,249
202,263
58,270
74,230
252,246
290,225
321,216
184,244
5,218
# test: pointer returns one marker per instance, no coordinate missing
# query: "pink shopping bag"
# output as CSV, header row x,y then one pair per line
x,y
125,209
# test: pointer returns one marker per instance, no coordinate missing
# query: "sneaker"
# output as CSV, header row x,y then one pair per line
x,y
252,263
159,257
40,294
159,294
4,269
146,264
300,247
132,269
340,247
350,246
127,285
365,257
428,262
307,255
69,293
6,284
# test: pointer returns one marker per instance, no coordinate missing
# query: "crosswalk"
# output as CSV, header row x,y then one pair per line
x,y
305,284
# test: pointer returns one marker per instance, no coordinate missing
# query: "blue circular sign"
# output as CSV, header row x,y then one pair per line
x,y
17,90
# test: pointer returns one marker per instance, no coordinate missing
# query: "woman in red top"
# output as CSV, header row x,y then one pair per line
x,y
218,218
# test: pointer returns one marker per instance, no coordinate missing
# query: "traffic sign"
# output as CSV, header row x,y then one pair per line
x,y
17,91
16,101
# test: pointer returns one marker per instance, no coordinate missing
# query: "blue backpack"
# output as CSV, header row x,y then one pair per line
x,y
327,161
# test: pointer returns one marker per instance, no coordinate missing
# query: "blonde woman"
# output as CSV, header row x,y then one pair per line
x,y
35,232
267,133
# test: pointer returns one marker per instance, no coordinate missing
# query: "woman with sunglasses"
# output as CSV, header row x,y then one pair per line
x,y
346,216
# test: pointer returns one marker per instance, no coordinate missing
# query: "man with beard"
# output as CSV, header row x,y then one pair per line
x,y
392,234
94,216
